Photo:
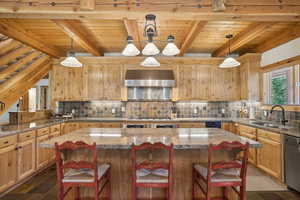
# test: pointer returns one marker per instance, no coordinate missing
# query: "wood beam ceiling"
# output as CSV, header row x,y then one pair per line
x,y
75,30
13,55
13,30
132,30
87,4
242,38
279,39
196,27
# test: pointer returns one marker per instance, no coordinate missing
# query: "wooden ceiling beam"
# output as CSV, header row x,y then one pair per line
x,y
196,27
258,13
13,30
285,36
242,38
8,45
132,30
87,4
75,30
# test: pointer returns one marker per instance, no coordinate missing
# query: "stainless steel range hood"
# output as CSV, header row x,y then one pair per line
x,y
150,78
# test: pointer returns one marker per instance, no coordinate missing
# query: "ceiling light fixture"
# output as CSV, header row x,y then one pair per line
x,y
229,61
71,60
150,49
150,62
130,49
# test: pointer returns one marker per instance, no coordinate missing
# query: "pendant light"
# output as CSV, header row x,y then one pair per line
x,y
150,62
150,49
71,60
229,61
130,49
171,49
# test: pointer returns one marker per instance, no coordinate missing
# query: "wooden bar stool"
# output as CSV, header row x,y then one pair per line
x,y
72,174
222,174
149,174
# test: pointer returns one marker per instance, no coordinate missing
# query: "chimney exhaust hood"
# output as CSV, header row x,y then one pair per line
x,y
150,78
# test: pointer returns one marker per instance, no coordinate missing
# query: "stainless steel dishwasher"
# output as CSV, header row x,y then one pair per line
x,y
292,162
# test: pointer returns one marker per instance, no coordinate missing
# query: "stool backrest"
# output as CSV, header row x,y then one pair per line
x,y
149,165
77,165
232,164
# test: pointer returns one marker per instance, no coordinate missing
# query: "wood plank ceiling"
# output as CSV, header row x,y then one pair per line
x,y
101,26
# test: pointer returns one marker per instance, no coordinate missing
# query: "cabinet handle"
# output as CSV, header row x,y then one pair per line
x,y
6,142
27,135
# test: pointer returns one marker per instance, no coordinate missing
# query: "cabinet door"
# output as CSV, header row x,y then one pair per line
x,y
252,151
42,154
26,158
8,166
269,157
191,125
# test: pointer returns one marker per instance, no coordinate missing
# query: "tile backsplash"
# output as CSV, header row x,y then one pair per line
x,y
163,110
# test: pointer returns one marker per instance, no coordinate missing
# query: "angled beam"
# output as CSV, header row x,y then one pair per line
x,y
242,38
196,27
13,30
74,29
133,30
8,45
281,38
12,68
5,59
87,4
21,83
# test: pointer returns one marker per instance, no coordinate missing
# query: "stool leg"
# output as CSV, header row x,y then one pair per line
x,y
133,192
77,193
61,193
193,184
242,193
208,192
97,192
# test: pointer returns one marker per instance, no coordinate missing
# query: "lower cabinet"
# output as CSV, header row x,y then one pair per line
x,y
269,156
42,154
191,125
8,166
252,151
26,158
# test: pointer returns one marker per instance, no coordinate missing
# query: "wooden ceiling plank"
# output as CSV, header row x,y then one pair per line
x,y
74,29
13,30
12,68
5,59
281,38
196,27
242,38
132,30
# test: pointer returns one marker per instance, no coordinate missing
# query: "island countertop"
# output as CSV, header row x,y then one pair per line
x,y
123,138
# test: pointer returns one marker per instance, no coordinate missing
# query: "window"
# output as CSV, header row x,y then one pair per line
x,y
282,86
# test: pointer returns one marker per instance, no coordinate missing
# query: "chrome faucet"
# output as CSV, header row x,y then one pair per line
x,y
283,120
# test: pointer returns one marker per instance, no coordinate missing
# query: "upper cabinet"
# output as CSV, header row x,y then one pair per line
x,y
101,82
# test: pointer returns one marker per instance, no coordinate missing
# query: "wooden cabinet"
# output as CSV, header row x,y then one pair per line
x,y
8,162
42,154
225,84
191,125
229,126
269,156
69,127
73,84
26,158
249,132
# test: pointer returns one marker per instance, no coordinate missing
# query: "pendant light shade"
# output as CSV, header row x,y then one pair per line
x,y
71,61
130,49
229,63
150,49
150,62
171,49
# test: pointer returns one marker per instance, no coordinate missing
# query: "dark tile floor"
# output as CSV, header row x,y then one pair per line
x,y
43,187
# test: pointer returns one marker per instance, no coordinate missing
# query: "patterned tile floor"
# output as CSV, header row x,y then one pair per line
x,y
43,187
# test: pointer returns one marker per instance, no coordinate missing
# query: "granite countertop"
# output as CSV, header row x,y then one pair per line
x,y
15,129
123,138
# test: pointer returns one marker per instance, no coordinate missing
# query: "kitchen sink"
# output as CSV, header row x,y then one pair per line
x,y
270,125
259,123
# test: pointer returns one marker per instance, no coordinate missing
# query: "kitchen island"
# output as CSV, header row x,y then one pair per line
x,y
114,144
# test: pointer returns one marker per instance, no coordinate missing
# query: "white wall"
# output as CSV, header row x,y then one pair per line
x,y
282,52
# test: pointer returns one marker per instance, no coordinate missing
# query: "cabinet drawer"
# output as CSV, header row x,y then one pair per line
x,y
247,135
269,135
112,125
7,141
54,134
54,128
26,136
247,129
43,131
